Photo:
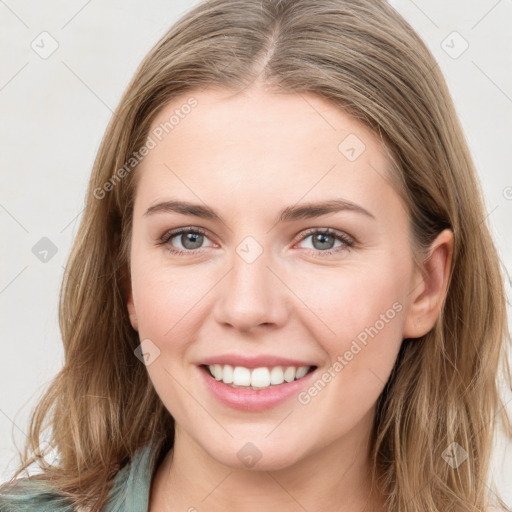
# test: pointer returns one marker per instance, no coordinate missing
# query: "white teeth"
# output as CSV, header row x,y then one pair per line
x,y
217,371
276,375
227,376
301,371
289,374
257,378
260,378
241,376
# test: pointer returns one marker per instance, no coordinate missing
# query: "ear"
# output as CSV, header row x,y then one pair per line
x,y
429,287
131,309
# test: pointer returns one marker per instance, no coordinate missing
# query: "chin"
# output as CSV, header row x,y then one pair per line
x,y
256,455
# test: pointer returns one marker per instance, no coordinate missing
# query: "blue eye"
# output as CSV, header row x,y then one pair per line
x,y
192,239
323,241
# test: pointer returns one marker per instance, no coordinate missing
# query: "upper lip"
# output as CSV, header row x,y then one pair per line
x,y
253,361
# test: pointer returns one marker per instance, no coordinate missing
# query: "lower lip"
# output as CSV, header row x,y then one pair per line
x,y
253,399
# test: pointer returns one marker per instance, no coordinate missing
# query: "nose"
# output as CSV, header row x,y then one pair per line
x,y
252,296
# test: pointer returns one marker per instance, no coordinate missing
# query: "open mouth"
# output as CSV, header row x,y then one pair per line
x,y
256,378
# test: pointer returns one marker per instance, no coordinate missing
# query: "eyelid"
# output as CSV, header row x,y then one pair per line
x,y
345,237
172,233
347,240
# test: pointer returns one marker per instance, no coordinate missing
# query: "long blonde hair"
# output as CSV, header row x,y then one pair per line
x,y
365,58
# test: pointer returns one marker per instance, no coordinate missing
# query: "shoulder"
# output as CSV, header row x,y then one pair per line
x,y
130,489
29,495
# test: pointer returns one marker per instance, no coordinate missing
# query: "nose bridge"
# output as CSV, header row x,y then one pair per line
x,y
251,295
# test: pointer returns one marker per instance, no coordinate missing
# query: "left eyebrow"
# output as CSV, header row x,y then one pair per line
x,y
311,210
288,214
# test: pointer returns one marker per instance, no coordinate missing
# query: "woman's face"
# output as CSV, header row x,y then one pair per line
x,y
257,289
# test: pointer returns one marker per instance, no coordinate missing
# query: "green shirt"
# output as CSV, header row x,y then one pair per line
x,y
129,493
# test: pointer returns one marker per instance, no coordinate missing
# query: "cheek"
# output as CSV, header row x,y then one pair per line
x,y
162,295
364,313
359,317
167,303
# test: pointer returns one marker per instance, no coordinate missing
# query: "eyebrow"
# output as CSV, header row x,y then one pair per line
x,y
288,214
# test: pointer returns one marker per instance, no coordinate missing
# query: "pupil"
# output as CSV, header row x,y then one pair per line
x,y
321,238
191,240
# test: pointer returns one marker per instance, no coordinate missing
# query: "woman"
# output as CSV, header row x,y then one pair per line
x,y
282,293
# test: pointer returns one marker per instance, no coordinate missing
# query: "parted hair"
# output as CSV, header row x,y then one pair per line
x,y
364,58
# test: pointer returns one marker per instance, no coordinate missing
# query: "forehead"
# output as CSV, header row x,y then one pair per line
x,y
262,145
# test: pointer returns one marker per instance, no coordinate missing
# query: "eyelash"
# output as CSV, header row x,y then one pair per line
x,y
347,242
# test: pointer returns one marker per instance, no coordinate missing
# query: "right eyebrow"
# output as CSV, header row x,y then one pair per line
x,y
185,208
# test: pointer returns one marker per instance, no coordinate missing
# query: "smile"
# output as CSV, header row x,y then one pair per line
x,y
259,388
257,378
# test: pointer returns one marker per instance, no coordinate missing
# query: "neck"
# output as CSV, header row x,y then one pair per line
x,y
335,478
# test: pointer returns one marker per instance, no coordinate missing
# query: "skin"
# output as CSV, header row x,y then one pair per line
x,y
248,156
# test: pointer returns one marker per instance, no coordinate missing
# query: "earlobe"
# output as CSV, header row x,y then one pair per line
x,y
430,287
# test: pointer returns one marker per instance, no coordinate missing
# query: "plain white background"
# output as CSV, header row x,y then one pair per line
x,y
54,110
